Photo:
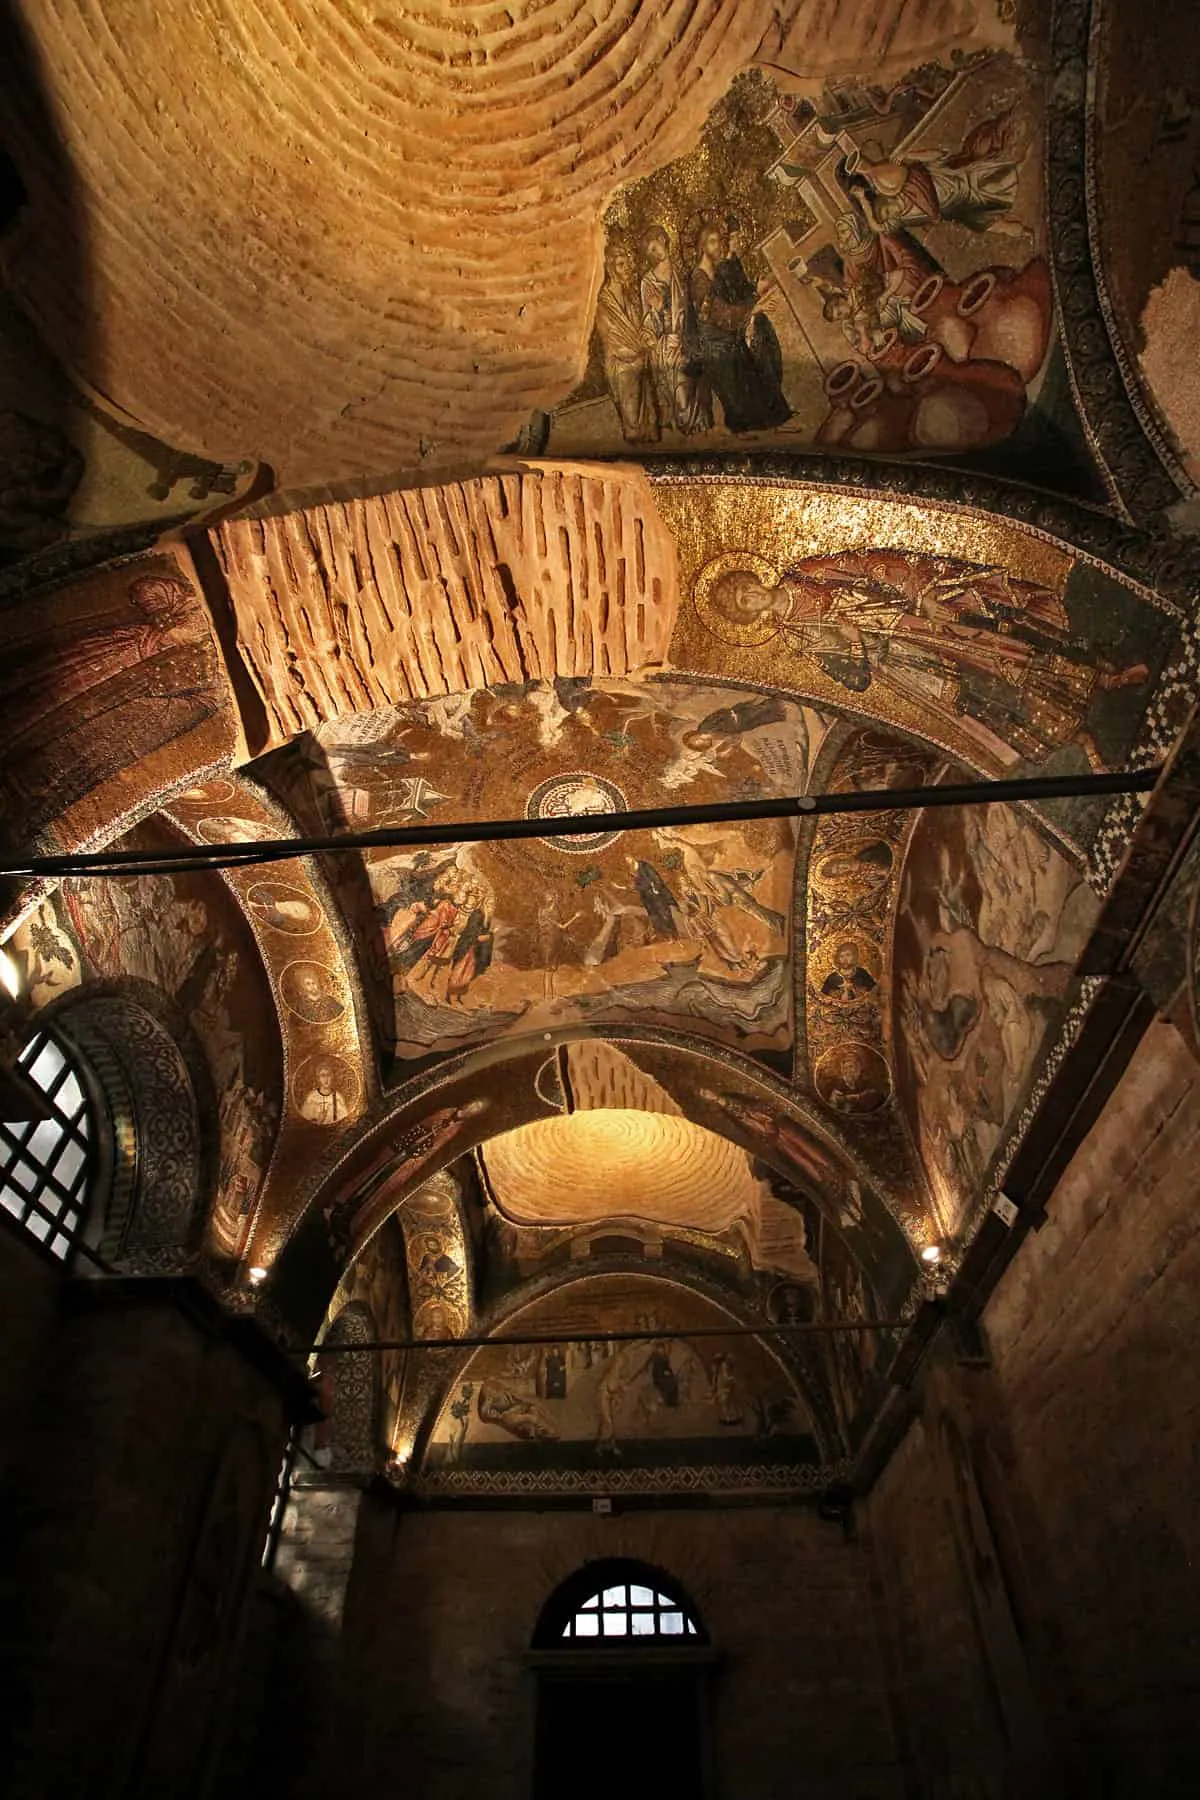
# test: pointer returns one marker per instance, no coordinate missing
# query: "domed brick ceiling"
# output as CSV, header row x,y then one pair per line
x,y
619,1163
351,240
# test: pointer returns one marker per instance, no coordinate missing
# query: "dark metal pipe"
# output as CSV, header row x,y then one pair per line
x,y
190,859
609,1337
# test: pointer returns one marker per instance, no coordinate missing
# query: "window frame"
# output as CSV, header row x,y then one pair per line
x,y
633,1610
33,1194
584,1595
555,1660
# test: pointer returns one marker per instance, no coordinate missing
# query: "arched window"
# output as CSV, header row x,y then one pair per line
x,y
630,1609
623,1664
46,1162
618,1601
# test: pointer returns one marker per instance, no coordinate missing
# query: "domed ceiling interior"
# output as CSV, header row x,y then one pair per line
x,y
421,418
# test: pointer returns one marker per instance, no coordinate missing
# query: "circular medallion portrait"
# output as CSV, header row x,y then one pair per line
x,y
853,1078
439,1319
223,828
738,599
213,793
855,869
576,795
325,1090
845,971
311,992
284,908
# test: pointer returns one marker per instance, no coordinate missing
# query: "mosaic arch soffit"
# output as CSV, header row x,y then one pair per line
x,y
320,1015
283,578
1090,652
257,970
469,1100
687,528
984,93
498,617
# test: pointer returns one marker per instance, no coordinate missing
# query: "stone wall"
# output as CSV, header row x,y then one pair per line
x,y
1095,1332
1015,1616
29,1291
1036,1533
442,1607
135,1512
952,1733
296,1709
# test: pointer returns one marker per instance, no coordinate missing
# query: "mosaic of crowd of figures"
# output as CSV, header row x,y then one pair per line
x,y
866,268
659,925
653,1399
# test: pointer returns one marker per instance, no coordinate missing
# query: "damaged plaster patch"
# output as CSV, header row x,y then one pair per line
x,y
1170,363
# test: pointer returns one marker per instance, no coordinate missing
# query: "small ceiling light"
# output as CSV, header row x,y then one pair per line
x,y
10,975
932,1253
258,1275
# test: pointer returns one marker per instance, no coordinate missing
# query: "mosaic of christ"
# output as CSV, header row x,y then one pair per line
x,y
662,926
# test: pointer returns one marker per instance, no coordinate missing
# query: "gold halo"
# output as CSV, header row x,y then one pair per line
x,y
727,630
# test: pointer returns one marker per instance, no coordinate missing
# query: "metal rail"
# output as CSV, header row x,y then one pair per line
x,y
502,1339
192,858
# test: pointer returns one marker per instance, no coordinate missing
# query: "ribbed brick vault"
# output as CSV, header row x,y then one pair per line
x,y
347,238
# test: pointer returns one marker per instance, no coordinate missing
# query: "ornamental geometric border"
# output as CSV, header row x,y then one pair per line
x,y
1165,566
709,1478
1146,470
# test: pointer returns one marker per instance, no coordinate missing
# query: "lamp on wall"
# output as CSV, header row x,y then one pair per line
x,y
258,1275
10,975
937,1269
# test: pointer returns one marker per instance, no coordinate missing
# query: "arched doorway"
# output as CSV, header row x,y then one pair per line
x,y
622,1661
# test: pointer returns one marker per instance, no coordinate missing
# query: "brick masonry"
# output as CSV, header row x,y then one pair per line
x,y
1095,1332
442,1611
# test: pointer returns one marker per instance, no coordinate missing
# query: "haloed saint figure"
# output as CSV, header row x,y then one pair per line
x,y
996,654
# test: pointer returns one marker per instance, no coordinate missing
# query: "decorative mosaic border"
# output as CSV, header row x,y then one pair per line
x,y
1126,459
710,1478
1070,1030
1165,719
1115,428
1165,569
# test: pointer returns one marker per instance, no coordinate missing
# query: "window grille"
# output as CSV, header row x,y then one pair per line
x,y
630,1610
46,1164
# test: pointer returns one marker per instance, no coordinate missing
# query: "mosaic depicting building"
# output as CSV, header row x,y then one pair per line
x,y
572,1220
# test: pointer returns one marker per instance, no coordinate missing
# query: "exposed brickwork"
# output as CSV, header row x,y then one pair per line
x,y
441,1613
135,1509
951,1725
29,1287
1096,1336
400,205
